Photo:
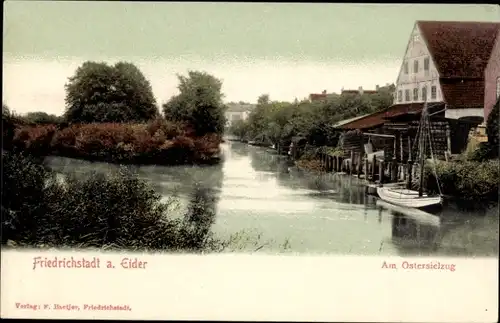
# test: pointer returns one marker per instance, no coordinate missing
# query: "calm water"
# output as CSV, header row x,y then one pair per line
x,y
281,209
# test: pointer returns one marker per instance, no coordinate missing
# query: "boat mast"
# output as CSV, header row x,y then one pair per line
x,y
423,127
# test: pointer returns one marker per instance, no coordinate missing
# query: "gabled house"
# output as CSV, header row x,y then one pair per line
x,y
444,64
492,79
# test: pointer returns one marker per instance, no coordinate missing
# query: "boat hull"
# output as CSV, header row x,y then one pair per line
x,y
409,198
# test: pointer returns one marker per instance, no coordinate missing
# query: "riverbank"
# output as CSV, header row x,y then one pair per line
x,y
469,182
157,142
112,211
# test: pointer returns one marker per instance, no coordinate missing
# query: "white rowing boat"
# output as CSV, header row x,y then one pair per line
x,y
403,197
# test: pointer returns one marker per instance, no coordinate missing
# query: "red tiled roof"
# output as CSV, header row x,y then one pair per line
x,y
459,49
463,93
378,118
314,96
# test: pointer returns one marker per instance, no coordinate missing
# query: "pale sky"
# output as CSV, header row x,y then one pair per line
x,y
284,49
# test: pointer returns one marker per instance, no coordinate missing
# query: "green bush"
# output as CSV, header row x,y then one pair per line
x,y
466,180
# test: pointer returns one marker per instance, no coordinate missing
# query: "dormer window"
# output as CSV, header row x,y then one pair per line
x,y
415,66
406,69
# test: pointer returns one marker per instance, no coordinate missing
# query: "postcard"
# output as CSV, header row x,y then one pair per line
x,y
250,161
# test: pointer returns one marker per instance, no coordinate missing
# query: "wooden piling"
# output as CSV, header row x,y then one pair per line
x,y
351,162
381,172
366,169
410,173
360,165
374,164
394,170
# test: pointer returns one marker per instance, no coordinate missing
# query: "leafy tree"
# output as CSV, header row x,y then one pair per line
x,y
99,92
238,128
199,103
280,121
263,99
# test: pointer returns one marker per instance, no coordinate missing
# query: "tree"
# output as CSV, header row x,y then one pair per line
x,y
98,92
263,99
238,128
199,103
41,117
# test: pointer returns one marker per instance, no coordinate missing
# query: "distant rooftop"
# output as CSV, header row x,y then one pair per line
x,y
239,107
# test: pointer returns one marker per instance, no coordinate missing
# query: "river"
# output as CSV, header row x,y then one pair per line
x,y
273,207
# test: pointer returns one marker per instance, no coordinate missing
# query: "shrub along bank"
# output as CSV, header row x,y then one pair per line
x,y
113,211
466,180
158,141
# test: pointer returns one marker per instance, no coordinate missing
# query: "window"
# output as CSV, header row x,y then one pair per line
x,y
406,67
415,66
400,96
433,92
426,64
407,95
498,87
415,94
424,93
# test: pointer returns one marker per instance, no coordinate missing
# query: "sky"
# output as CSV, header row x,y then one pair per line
x,y
287,50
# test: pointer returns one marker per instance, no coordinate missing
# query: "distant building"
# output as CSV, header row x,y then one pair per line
x,y
318,97
237,111
360,91
445,64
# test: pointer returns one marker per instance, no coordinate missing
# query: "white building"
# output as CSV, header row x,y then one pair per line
x,y
445,62
237,111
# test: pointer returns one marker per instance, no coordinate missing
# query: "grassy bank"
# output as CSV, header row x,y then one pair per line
x,y
113,211
116,211
156,142
466,180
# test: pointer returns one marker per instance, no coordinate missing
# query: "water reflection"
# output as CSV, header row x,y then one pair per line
x,y
256,191
345,189
450,233
197,187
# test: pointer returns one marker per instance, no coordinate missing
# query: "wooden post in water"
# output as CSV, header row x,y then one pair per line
x,y
351,162
401,147
374,163
381,172
360,165
409,148
366,168
410,172
394,171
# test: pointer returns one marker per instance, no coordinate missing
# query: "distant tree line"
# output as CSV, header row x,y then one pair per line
x,y
281,121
